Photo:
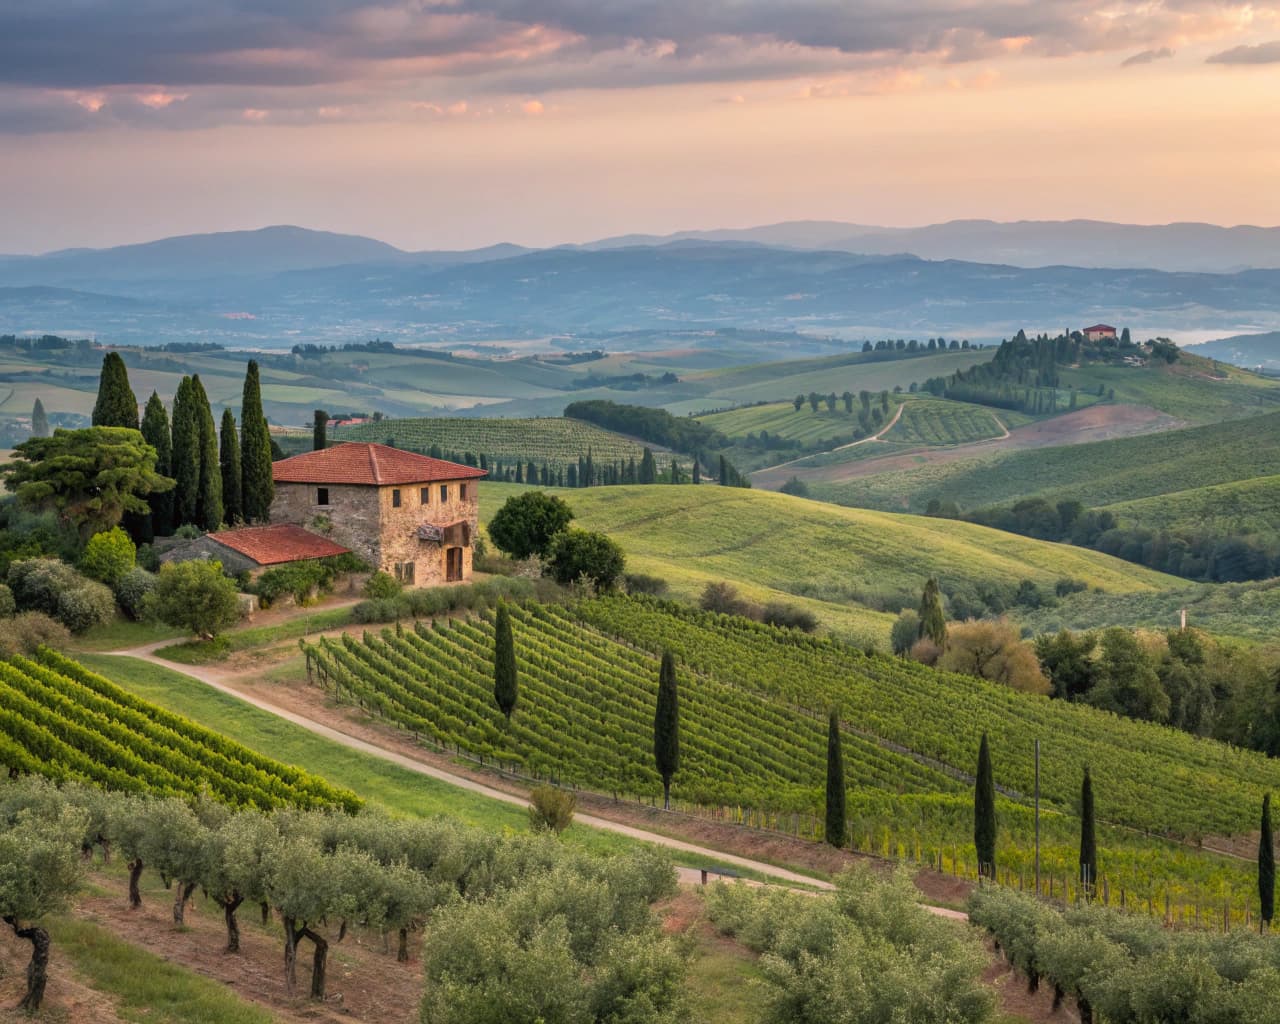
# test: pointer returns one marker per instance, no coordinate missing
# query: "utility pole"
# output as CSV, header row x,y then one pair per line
x,y
1037,817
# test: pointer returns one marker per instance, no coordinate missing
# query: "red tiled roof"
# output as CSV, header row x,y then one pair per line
x,y
1100,327
375,465
273,545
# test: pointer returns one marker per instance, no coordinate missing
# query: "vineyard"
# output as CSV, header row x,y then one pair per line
x,y
782,419
556,441
752,736
59,720
933,422
1248,506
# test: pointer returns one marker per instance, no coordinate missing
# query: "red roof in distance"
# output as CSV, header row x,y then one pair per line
x,y
273,545
372,465
1100,327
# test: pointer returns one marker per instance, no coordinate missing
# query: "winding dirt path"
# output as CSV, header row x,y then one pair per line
x,y
842,447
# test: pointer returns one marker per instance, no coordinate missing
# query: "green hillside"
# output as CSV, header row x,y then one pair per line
x,y
1246,506
782,419
1099,473
839,560
937,421
554,440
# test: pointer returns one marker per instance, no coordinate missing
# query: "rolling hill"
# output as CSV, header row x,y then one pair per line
x,y
1252,350
1245,506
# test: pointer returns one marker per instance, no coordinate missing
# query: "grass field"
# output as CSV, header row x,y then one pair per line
x,y
1099,473
554,440
1247,506
779,547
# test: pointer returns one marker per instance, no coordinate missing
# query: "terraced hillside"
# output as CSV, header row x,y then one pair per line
x,y
1098,473
553,440
588,677
779,547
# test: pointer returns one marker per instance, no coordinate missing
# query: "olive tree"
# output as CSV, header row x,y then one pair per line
x,y
234,867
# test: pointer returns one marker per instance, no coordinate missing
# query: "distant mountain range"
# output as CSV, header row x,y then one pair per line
x,y
279,285
1250,350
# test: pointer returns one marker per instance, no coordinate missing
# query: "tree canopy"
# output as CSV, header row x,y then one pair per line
x,y
257,485
195,596
116,405
527,524
90,478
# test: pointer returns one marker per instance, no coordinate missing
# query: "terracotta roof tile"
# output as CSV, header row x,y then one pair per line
x,y
374,465
273,545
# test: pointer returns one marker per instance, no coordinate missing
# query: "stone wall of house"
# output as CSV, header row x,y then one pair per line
x,y
366,520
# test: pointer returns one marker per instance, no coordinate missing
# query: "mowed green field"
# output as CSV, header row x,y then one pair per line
x,y
1099,473
554,440
820,556
1247,506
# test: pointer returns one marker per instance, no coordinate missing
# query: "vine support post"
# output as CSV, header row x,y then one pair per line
x,y
1037,796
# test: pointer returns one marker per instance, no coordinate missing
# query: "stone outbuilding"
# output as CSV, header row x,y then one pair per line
x,y
254,549
405,514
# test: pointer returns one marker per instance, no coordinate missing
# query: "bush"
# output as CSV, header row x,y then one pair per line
x,y
724,599
579,554
24,633
132,591
528,524
195,596
381,586
551,809
7,604
905,631
640,583
148,558
795,487
788,616
386,609
54,588
187,531
108,556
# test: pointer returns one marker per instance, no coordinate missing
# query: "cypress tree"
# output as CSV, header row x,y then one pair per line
x,y
186,455
257,487
116,405
933,623
1088,837
697,471
984,812
724,471
39,420
155,431
666,727
648,468
505,685
835,783
1266,866
209,513
229,462
319,431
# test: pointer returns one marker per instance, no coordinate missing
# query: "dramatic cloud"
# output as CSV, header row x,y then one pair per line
x,y
191,63
1147,57
1263,53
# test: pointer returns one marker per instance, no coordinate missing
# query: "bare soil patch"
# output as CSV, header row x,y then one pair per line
x,y
1010,987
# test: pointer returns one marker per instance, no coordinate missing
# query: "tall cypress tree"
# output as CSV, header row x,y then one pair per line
x,y
116,405
835,783
257,487
319,431
505,684
39,420
666,727
229,463
933,624
984,812
648,468
1266,866
186,455
1088,837
724,471
209,512
155,430
697,471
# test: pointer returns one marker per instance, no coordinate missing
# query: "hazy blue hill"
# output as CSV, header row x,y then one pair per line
x,y
1249,350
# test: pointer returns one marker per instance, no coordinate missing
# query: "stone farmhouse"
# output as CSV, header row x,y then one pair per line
x,y
1098,332
406,514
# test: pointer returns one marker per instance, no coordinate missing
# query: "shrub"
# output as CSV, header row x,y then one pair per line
x,y
7,605
724,599
196,596
528,524
28,631
148,558
795,487
788,616
132,591
187,531
581,553
385,609
108,556
53,587
640,583
551,809
381,585
905,631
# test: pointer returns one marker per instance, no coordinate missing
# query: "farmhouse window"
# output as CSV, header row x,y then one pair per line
x,y
322,496
406,575
425,496
395,497
444,493
462,492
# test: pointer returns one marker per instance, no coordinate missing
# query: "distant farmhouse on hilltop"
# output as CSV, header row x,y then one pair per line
x,y
1100,332
409,515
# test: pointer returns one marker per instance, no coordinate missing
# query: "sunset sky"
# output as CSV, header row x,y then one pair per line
x,y
458,123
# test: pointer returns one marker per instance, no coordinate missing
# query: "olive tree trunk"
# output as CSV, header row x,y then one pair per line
x,y
402,954
135,873
229,908
181,895
38,968
319,962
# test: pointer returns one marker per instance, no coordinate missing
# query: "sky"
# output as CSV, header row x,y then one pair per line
x,y
457,123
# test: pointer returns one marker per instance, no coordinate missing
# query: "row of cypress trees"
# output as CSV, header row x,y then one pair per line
x,y
222,476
